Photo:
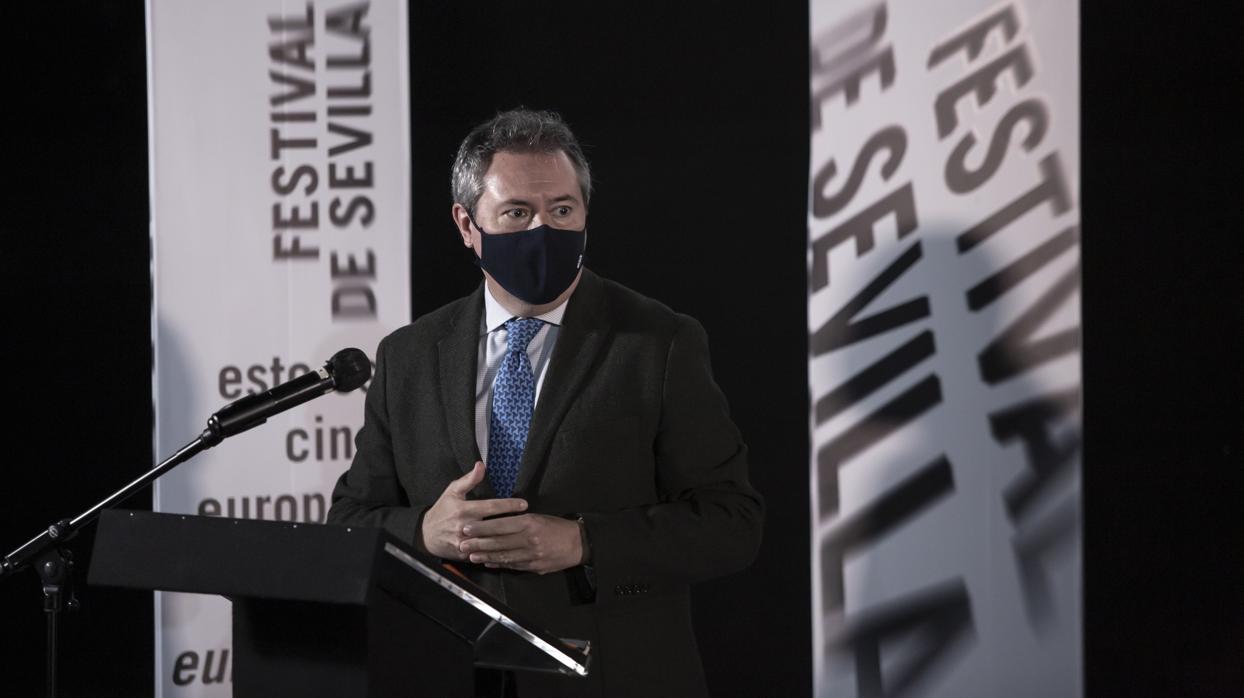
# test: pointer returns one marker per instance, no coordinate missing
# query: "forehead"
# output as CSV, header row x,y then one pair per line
x,y
530,175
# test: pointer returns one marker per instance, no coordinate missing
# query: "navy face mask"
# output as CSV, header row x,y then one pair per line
x,y
535,265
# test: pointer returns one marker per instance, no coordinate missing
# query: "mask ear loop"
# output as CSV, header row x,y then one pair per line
x,y
475,259
472,219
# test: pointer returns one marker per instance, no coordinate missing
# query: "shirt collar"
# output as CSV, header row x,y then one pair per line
x,y
495,315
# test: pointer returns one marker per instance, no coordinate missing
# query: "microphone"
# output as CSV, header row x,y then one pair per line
x,y
347,370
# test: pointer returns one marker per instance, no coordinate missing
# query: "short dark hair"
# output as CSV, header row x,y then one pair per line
x,y
518,130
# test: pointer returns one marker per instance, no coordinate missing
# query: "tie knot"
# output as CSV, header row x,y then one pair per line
x,y
520,331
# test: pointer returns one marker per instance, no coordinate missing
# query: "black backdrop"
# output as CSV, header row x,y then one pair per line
x,y
695,117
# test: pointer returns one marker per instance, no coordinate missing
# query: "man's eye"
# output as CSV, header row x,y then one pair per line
x,y
516,213
563,210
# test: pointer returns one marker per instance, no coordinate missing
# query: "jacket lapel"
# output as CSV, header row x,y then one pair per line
x,y
457,354
584,335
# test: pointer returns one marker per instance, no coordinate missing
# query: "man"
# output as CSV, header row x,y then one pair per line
x,y
557,435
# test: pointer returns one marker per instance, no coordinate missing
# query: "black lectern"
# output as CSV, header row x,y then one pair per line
x,y
326,610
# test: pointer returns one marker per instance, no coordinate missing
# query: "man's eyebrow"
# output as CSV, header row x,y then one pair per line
x,y
554,200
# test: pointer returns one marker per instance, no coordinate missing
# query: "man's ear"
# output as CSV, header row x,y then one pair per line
x,y
462,220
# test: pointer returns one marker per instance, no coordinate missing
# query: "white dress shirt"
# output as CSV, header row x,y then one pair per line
x,y
492,346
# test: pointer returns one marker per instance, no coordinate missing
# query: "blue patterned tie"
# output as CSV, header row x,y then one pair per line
x,y
513,400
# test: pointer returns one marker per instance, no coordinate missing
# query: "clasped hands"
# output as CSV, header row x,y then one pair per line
x,y
455,528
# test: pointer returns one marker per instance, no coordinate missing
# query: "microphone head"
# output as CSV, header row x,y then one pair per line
x,y
350,369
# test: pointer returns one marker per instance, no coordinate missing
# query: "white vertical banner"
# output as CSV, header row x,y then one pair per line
x,y
944,348
279,145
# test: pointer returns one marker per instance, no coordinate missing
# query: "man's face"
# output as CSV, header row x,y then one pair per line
x,y
525,190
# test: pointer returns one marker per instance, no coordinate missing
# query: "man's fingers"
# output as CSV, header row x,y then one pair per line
x,y
481,508
514,559
496,527
466,483
490,544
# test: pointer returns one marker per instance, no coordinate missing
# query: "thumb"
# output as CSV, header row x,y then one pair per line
x,y
466,483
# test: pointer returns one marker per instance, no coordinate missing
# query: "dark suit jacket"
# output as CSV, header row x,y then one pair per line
x,y
630,431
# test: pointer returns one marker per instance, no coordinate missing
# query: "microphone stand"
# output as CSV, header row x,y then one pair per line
x,y
345,371
54,562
